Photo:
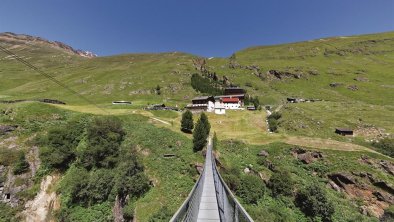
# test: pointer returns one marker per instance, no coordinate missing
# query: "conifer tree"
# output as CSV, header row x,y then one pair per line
x,y
207,125
187,123
199,136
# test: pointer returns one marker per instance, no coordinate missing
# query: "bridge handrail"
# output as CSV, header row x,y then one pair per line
x,y
238,207
182,211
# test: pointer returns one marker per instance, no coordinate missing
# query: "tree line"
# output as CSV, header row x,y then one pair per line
x,y
205,85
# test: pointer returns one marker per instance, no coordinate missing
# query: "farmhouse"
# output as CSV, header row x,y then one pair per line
x,y
231,103
202,103
344,131
219,108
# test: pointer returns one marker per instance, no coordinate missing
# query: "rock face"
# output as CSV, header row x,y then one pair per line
x,y
263,153
353,87
9,36
375,195
283,74
6,129
44,203
306,157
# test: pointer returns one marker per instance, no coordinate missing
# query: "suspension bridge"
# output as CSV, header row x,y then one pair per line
x,y
210,199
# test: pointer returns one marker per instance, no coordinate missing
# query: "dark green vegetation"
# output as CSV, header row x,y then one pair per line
x,y
101,173
187,123
125,159
21,166
287,189
385,146
273,121
7,213
201,133
205,85
312,200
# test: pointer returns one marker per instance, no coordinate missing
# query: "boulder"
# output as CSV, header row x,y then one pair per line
x,y
263,153
387,166
6,129
353,87
335,84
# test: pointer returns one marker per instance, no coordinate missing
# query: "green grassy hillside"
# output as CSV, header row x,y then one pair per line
x,y
352,75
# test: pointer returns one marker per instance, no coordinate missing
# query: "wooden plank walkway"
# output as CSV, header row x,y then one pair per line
x,y
208,210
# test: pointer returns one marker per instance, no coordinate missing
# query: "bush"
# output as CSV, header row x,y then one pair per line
x,y
100,185
7,213
130,178
281,183
21,166
163,215
59,147
388,214
386,146
313,203
251,189
104,136
273,121
128,210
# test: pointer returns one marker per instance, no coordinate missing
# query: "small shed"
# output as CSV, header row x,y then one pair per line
x,y
344,131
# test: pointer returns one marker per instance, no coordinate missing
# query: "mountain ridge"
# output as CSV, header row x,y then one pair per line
x,y
10,36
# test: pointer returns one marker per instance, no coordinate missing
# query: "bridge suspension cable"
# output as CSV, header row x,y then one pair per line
x,y
211,199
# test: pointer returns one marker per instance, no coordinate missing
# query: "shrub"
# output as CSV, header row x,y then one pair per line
x,y
281,183
386,146
104,136
59,147
388,214
21,166
313,203
251,189
273,121
130,179
163,215
101,182
128,210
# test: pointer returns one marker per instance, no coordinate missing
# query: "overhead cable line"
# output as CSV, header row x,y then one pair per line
x,y
46,75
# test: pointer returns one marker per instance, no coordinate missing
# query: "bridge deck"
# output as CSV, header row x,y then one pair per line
x,y
208,210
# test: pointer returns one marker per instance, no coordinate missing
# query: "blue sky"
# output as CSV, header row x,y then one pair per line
x,y
202,27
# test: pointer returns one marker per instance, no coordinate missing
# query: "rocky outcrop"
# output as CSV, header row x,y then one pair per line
x,y
263,153
46,201
375,195
7,129
305,156
353,87
284,74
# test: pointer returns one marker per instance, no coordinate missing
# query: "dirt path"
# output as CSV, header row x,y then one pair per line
x,y
326,144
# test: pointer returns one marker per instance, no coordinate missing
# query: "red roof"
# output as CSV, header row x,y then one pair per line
x,y
230,100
